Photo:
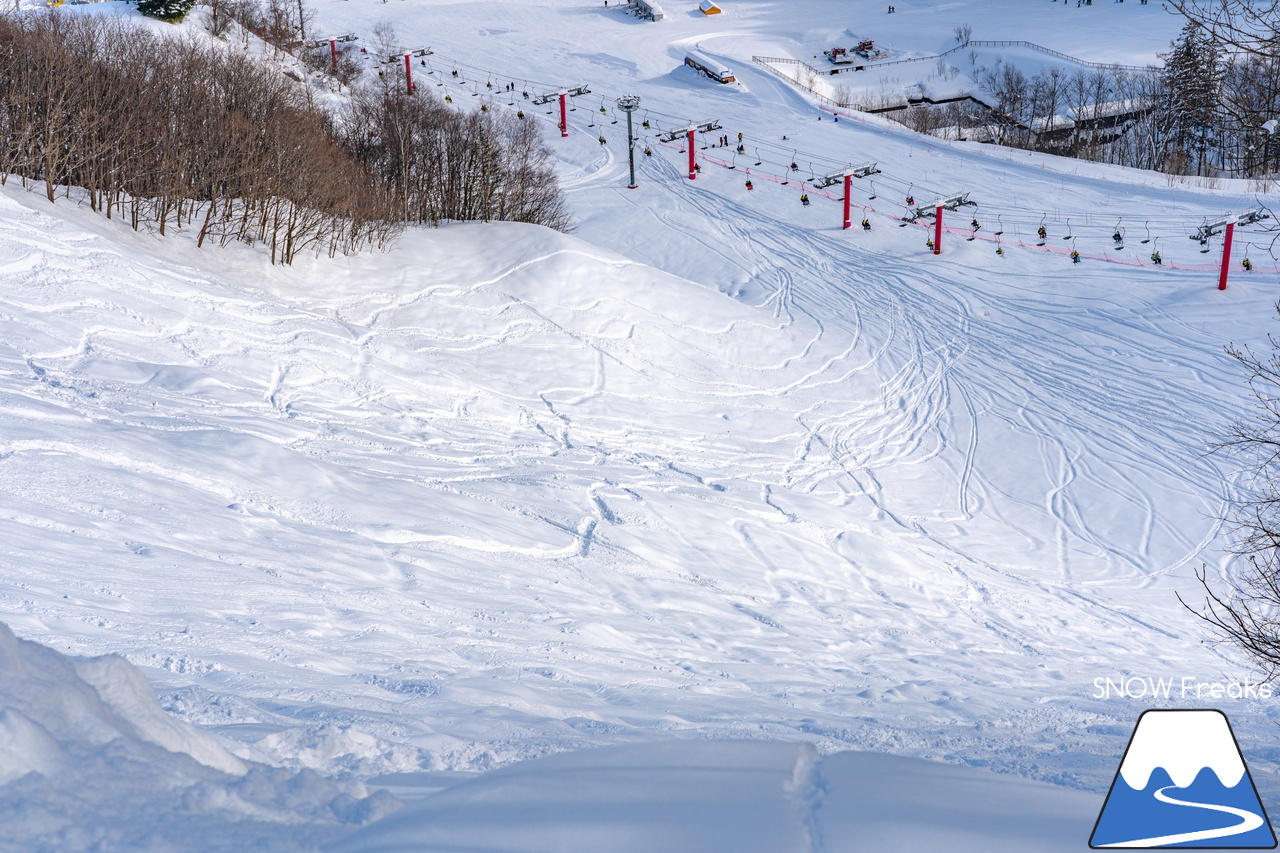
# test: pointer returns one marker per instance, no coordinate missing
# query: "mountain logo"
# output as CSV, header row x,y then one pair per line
x,y
1183,783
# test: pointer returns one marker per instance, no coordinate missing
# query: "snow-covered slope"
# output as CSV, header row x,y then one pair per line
x,y
740,796
712,467
89,761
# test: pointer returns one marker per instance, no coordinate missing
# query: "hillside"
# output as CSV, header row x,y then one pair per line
x,y
709,468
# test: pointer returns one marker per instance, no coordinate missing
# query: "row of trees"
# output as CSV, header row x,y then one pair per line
x,y
1203,112
173,132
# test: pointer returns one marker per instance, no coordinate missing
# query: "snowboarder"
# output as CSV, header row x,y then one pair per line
x,y
866,225
975,225
1156,259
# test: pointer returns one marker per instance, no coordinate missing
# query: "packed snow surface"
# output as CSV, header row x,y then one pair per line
x,y
740,796
712,467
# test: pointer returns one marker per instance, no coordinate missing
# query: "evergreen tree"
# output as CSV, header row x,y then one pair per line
x,y
1193,73
165,10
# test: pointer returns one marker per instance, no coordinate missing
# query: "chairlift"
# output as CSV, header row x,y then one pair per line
x,y
872,197
1069,236
759,159
1000,220
1041,233
1148,227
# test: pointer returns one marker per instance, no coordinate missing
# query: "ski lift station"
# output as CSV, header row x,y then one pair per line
x,y
712,68
645,9
709,8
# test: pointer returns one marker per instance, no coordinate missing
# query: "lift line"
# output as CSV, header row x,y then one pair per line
x,y
571,92
847,176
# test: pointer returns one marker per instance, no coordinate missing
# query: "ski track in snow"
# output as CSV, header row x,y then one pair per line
x,y
800,484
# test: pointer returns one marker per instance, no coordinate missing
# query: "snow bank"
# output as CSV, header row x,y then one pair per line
x,y
741,796
89,761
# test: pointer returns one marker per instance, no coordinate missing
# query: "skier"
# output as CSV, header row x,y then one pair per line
x,y
804,199
1042,233
602,140
1000,251
866,225
739,137
911,200
974,224
648,152
749,186
1075,256
1247,264
519,113
929,243
1155,258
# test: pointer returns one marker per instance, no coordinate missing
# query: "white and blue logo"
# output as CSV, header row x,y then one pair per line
x,y
1183,783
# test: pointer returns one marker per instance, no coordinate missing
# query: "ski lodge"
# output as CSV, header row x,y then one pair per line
x,y
709,67
645,9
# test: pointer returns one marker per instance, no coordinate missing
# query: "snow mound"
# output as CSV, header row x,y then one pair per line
x,y
740,796
89,761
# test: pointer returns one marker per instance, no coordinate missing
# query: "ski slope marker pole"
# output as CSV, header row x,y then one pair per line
x,y
937,231
1226,256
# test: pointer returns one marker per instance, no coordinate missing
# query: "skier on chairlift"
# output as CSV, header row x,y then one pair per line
x,y
749,186
866,224
804,199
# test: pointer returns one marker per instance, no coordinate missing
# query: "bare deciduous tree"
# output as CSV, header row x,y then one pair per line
x,y
1247,612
